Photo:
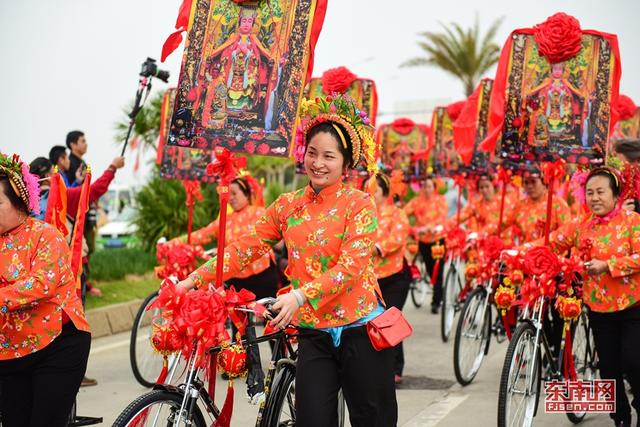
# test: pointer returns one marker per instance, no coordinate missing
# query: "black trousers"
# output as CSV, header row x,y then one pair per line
x,y
263,284
364,374
395,289
430,262
617,339
38,390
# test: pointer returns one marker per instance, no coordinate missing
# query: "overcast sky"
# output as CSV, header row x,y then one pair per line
x,y
73,64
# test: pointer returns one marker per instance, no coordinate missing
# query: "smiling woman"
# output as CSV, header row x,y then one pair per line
x,y
609,238
329,229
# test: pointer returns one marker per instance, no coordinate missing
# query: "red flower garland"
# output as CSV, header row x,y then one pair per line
x,y
559,37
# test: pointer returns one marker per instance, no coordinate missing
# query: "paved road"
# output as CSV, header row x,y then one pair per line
x,y
428,364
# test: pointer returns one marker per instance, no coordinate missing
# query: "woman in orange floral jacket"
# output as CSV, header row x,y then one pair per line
x,y
392,269
44,336
329,229
429,210
611,238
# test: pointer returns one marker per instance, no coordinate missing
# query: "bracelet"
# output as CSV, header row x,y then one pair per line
x,y
299,297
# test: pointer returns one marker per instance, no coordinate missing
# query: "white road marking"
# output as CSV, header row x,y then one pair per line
x,y
437,410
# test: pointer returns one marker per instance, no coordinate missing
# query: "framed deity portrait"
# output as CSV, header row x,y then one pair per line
x,y
242,76
557,110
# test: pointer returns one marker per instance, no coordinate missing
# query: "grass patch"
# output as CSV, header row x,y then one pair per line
x,y
114,292
115,264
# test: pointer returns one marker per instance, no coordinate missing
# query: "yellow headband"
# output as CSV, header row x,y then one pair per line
x,y
342,139
608,172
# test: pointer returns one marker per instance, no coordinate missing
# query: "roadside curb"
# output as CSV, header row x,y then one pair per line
x,y
112,319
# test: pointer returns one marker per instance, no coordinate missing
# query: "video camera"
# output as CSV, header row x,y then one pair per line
x,y
150,69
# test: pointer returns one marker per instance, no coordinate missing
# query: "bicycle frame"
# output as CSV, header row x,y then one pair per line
x,y
193,388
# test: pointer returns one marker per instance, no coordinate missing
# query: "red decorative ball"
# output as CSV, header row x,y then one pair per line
x,y
233,361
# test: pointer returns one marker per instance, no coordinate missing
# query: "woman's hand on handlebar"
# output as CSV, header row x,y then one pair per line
x,y
286,306
186,284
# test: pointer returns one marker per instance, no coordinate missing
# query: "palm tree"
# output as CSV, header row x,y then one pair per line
x,y
463,53
146,127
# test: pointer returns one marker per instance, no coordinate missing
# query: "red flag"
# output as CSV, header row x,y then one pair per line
x,y
78,228
465,127
56,214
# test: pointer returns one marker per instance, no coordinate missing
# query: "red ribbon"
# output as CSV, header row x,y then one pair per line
x,y
225,165
175,38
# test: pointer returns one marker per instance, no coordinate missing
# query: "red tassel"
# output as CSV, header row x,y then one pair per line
x,y
171,44
567,359
508,321
434,274
224,419
164,372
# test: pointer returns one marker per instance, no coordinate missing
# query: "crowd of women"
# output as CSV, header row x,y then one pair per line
x,y
346,264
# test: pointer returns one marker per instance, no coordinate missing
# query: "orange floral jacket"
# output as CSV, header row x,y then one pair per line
x,y
330,238
481,215
238,224
530,216
616,242
391,240
36,285
428,213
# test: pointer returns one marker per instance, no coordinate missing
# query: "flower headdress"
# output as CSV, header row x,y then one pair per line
x,y
340,110
23,182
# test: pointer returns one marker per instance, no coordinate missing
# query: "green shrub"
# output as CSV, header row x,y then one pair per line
x,y
114,264
162,211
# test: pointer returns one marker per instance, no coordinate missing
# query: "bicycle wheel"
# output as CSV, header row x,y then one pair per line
x,y
520,380
159,408
419,290
146,364
450,290
280,407
584,358
472,336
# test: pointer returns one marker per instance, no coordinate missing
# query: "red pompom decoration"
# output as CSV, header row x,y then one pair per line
x,y
166,340
516,277
559,37
541,261
337,80
626,107
403,125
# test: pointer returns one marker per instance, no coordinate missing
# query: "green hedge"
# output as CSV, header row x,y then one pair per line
x,y
114,264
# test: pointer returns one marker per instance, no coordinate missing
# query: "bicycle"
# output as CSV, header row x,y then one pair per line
x,y
454,290
473,333
146,363
420,285
182,404
522,371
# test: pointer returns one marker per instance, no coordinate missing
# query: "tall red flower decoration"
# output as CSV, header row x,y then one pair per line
x,y
626,107
337,80
559,37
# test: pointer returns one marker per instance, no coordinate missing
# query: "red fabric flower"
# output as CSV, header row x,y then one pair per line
x,y
559,37
539,261
337,80
491,248
249,147
403,125
454,110
626,107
